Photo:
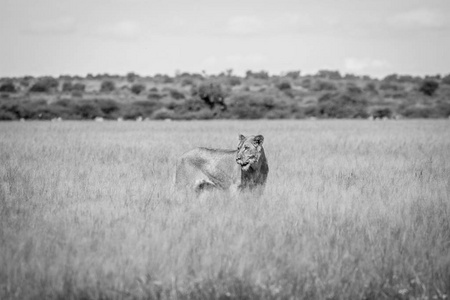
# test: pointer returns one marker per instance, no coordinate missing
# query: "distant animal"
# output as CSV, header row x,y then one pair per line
x,y
243,169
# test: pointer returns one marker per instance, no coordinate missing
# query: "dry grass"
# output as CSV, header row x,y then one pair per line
x,y
352,210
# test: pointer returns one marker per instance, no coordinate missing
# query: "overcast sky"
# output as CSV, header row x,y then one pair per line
x,y
374,37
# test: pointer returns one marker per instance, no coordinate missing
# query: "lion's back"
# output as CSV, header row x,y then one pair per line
x,y
204,166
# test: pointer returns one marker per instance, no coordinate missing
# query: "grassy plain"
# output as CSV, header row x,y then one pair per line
x,y
352,210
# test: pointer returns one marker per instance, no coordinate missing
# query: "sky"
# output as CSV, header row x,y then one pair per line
x,y
363,37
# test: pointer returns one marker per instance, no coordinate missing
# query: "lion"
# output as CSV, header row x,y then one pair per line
x,y
244,169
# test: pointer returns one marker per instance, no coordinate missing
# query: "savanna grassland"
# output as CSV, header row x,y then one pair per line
x,y
352,210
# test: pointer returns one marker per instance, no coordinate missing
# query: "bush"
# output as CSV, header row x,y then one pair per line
x,y
293,74
175,94
284,85
415,112
137,88
341,105
323,85
8,87
44,85
234,81
257,75
429,87
7,116
162,114
67,86
187,81
256,106
211,93
382,112
146,108
107,86
87,109
391,86
353,88
446,79
78,87
371,88
335,75
154,96
109,108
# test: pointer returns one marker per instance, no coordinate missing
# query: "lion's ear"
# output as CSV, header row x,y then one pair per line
x,y
241,137
259,139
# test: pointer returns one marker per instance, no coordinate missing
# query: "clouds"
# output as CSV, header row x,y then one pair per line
x,y
58,26
364,65
245,25
238,62
122,30
419,19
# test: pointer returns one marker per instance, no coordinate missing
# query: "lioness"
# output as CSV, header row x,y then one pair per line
x,y
243,169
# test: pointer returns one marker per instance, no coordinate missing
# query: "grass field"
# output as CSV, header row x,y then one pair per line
x,y
352,210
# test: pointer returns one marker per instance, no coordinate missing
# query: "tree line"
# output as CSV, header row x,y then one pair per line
x,y
186,96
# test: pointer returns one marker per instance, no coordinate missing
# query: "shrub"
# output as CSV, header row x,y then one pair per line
x,y
419,112
67,86
131,77
107,86
446,79
175,94
371,88
429,87
256,106
257,75
137,88
162,114
8,87
44,85
7,116
77,94
341,105
108,107
391,86
382,112
284,85
293,74
78,87
353,88
329,74
154,96
211,93
234,81
146,108
443,109
323,85
87,109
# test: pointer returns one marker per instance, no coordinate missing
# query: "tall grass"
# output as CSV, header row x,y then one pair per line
x,y
352,210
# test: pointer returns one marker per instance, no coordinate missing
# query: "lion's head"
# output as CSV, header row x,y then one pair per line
x,y
249,150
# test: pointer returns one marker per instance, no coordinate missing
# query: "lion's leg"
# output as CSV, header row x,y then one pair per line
x,y
203,185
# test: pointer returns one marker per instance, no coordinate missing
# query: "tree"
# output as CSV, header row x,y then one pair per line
x,y
257,75
131,77
293,74
329,74
429,87
107,86
342,105
137,88
44,85
446,79
78,87
211,93
8,87
67,86
284,85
